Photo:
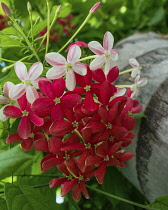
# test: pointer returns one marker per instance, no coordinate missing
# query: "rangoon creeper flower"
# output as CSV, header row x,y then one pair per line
x,y
105,53
4,99
29,79
61,66
138,83
134,63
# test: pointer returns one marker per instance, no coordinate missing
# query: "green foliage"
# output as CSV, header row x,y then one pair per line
x,y
3,205
160,203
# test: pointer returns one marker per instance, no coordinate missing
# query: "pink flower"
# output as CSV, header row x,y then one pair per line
x,y
79,43
4,99
61,66
134,63
105,54
95,7
29,79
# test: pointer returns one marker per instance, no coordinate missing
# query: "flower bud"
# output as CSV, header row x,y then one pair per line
x,y
58,9
5,8
95,7
29,7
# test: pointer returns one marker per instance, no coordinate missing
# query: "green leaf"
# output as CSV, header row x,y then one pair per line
x,y
11,160
139,115
3,205
160,203
157,17
25,198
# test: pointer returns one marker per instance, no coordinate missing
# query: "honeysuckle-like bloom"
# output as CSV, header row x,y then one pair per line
x,y
79,43
29,81
4,99
134,63
105,53
138,83
61,66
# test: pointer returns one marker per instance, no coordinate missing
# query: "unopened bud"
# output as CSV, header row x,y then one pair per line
x,y
58,9
29,7
5,8
95,7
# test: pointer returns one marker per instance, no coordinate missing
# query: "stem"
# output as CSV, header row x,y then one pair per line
x,y
24,36
126,71
48,26
126,86
88,57
11,61
84,22
31,25
41,175
119,198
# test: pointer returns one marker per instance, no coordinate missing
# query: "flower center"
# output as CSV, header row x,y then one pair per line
x,y
87,88
106,158
75,124
109,126
27,82
57,100
25,113
32,135
69,177
80,178
111,138
107,55
12,102
68,66
67,157
88,146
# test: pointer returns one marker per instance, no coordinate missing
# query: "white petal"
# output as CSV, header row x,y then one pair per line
x,y
35,71
108,41
3,117
114,55
120,92
31,94
74,54
133,62
21,71
80,68
142,82
17,91
56,72
108,66
55,59
137,79
96,47
4,100
135,72
7,87
70,80
97,62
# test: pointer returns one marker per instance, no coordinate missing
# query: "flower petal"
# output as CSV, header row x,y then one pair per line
x,y
21,71
108,41
35,119
31,94
7,87
27,144
55,59
17,91
96,47
67,186
12,112
35,70
13,138
74,54
80,68
70,80
24,128
3,117
56,72
97,62
4,100
71,100
57,182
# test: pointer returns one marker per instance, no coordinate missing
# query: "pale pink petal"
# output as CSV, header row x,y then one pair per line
x,y
17,91
114,55
96,47
80,68
4,100
35,71
56,72
70,80
142,82
21,71
3,117
137,79
120,92
7,87
133,62
31,94
36,81
55,59
97,62
135,72
74,54
108,66
108,41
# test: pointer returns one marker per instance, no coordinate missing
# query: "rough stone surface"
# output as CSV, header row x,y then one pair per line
x,y
147,170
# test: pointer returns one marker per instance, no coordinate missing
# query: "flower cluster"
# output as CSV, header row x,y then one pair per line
x,y
83,122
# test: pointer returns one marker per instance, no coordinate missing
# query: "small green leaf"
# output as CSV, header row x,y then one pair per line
x,y
3,205
160,203
25,198
11,160
139,115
